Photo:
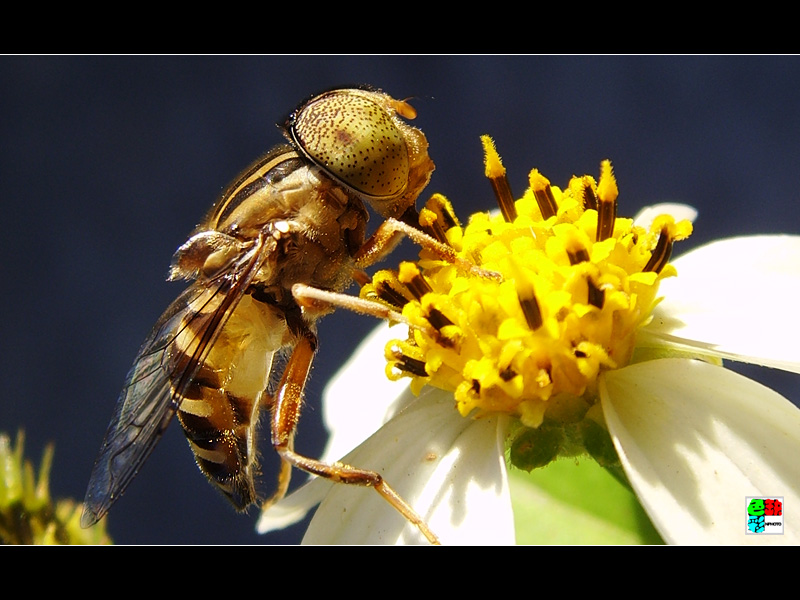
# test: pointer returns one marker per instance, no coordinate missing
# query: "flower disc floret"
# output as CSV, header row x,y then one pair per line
x,y
575,284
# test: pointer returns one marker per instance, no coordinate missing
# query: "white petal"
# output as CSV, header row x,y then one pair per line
x,y
645,217
451,470
356,402
736,299
360,398
294,507
695,440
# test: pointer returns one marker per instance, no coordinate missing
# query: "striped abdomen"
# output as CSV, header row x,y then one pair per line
x,y
219,406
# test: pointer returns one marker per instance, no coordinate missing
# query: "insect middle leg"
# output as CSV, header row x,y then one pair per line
x,y
285,414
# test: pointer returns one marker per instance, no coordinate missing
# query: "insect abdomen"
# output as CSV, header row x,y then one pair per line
x,y
219,407
219,428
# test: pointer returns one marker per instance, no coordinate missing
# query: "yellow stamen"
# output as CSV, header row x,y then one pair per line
x,y
577,283
496,174
607,202
494,166
587,187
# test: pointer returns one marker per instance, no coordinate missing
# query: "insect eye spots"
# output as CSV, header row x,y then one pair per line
x,y
356,141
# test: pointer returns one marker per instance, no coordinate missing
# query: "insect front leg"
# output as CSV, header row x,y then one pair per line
x,y
387,236
285,415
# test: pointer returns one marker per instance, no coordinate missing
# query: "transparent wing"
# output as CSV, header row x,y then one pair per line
x,y
164,367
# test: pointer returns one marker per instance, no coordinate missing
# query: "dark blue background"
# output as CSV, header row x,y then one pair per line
x,y
108,163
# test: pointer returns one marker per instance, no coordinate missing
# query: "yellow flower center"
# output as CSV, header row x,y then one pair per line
x,y
576,282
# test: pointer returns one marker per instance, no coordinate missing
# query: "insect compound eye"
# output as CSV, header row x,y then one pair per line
x,y
354,135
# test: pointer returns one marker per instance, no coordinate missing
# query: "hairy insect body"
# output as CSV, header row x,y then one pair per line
x,y
313,228
295,219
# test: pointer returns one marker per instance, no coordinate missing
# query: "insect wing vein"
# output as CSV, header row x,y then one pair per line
x,y
153,388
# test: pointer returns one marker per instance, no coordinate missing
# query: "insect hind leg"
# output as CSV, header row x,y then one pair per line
x,y
285,415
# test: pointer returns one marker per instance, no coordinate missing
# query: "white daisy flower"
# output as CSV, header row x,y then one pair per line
x,y
439,462
571,352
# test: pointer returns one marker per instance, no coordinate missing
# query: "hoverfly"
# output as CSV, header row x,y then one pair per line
x,y
294,221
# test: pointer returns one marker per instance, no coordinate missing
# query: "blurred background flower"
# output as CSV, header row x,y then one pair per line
x,y
109,162
28,514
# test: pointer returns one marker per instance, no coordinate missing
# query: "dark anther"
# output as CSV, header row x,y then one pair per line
x,y
606,215
448,218
436,231
530,308
661,254
597,297
505,199
578,256
390,295
589,197
508,374
546,201
437,319
411,365
418,286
